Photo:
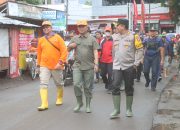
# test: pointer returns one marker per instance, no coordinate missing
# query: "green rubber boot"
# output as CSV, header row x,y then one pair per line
x,y
79,104
129,101
116,102
88,102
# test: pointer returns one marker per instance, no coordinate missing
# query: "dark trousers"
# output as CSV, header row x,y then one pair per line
x,y
106,73
151,62
139,70
128,77
98,73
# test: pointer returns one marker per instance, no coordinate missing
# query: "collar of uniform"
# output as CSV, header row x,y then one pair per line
x,y
51,34
110,39
85,35
126,34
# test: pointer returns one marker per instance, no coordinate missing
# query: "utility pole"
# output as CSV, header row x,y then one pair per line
x,y
67,13
149,15
130,18
46,2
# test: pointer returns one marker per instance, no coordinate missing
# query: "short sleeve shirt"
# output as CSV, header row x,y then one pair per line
x,y
156,41
84,52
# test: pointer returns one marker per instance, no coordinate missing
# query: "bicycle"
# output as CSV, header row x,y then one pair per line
x,y
31,60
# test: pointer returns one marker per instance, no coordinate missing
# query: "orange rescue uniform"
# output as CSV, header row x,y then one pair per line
x,y
48,56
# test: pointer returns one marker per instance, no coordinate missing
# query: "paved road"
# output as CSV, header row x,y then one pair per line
x,y
18,109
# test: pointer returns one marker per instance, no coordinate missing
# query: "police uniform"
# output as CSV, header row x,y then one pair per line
x,y
124,60
152,59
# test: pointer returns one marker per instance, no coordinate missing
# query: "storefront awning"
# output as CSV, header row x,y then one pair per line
x,y
9,21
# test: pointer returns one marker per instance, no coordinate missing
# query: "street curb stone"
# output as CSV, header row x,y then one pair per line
x,y
167,116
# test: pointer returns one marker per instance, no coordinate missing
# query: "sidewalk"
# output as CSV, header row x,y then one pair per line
x,y
167,116
7,83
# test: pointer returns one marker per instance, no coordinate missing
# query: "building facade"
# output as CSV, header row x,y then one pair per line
x,y
155,14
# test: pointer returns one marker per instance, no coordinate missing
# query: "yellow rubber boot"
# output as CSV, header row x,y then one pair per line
x,y
59,100
44,99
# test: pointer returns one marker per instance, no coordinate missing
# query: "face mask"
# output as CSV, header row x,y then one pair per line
x,y
107,34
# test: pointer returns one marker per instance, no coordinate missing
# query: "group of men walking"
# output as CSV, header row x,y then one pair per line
x,y
119,56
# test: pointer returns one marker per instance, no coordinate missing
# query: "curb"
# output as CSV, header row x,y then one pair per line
x,y
164,118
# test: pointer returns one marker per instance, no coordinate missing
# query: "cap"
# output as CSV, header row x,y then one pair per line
x,y
47,23
123,22
153,29
82,22
137,29
108,29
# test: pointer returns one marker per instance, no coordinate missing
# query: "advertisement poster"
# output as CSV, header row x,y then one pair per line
x,y
14,67
25,36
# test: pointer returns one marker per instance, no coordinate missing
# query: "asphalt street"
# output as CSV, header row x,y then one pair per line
x,y
18,108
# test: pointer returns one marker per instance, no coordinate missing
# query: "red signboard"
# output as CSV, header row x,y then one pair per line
x,y
112,16
163,16
156,17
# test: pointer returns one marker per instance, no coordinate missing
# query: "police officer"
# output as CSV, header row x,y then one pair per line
x,y
154,57
124,66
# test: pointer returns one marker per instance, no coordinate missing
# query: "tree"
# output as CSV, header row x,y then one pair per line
x,y
88,2
34,2
174,8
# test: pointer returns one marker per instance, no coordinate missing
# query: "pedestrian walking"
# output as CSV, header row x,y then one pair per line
x,y
124,66
140,65
166,56
52,54
114,35
106,59
153,58
99,39
86,62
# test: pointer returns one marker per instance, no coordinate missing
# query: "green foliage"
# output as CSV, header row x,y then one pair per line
x,y
174,6
88,2
34,2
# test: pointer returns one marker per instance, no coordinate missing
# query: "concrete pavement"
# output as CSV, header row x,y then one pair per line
x,y
167,116
18,109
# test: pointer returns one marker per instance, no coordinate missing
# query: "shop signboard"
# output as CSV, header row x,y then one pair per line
x,y
25,11
49,14
58,23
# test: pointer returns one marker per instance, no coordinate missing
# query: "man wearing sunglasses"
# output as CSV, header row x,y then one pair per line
x,y
52,54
